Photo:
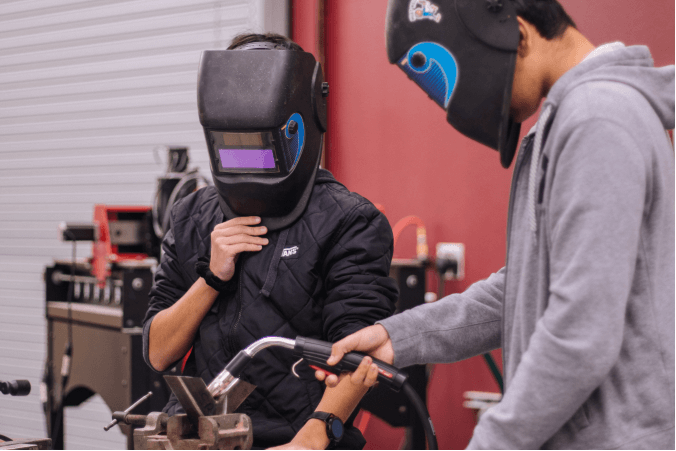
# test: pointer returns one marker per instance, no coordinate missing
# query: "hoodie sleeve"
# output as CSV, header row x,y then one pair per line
x,y
356,274
592,221
454,328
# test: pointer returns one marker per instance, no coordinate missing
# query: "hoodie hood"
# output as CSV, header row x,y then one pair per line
x,y
632,66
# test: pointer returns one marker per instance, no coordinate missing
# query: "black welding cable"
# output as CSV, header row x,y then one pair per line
x,y
495,370
161,214
177,194
423,414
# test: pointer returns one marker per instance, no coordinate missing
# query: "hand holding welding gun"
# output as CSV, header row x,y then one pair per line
x,y
173,329
373,340
339,401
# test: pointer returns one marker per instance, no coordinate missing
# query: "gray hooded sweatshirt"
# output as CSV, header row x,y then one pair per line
x,y
584,307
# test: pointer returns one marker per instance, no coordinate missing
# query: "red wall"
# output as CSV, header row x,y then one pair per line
x,y
304,24
388,141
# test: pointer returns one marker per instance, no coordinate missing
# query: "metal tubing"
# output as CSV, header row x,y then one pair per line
x,y
224,382
129,409
267,342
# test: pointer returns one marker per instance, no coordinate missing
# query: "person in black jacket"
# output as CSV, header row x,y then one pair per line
x,y
324,276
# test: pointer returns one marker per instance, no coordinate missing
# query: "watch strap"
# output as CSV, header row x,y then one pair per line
x,y
320,416
202,268
326,418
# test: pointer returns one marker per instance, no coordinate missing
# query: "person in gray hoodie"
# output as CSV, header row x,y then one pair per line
x,y
584,306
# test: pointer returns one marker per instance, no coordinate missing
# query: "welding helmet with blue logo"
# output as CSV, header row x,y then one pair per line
x,y
263,110
462,53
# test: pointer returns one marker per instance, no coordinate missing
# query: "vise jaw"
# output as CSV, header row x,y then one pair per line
x,y
207,424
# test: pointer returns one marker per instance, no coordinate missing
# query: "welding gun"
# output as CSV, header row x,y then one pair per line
x,y
316,352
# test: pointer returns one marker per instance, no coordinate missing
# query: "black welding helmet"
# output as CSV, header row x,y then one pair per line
x,y
462,53
263,111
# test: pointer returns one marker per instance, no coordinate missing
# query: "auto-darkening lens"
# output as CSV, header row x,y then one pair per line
x,y
247,158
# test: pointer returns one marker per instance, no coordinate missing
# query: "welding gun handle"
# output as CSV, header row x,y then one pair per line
x,y
316,352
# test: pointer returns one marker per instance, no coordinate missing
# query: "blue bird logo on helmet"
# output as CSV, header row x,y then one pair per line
x,y
434,69
465,64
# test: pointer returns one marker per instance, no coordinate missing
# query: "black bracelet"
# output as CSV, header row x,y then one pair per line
x,y
203,270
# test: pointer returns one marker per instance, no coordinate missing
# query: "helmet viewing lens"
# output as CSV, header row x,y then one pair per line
x,y
244,152
247,158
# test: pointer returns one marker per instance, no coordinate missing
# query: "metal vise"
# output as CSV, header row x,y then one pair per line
x,y
227,431
207,424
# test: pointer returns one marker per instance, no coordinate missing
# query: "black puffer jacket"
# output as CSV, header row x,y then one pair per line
x,y
325,277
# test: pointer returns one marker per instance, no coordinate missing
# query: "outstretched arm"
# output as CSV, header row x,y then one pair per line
x,y
451,329
454,328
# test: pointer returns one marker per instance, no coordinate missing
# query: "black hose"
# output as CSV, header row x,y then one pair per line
x,y
495,370
423,414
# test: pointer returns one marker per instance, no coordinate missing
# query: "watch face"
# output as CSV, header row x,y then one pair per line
x,y
337,428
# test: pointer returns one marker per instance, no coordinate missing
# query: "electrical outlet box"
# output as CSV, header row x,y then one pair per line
x,y
452,256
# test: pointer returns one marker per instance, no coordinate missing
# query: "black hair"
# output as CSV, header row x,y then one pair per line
x,y
274,38
548,16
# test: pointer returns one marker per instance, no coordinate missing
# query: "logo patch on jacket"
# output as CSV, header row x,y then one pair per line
x,y
290,252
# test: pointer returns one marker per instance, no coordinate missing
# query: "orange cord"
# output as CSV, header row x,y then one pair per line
x,y
421,249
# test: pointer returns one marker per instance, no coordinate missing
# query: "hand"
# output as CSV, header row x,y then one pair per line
x,y
374,340
231,238
311,436
290,445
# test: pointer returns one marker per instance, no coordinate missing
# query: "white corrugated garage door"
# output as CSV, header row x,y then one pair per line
x,y
88,90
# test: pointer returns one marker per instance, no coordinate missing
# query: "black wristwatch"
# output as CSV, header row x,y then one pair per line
x,y
334,426
202,269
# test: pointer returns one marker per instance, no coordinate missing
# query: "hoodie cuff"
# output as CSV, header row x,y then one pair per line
x,y
400,328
